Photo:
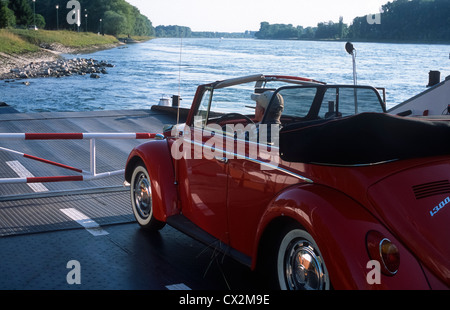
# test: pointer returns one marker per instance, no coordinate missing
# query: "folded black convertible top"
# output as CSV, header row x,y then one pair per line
x,y
364,139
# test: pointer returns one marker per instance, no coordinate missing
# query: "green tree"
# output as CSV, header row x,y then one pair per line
x,y
308,33
22,11
331,30
173,31
40,21
403,20
264,31
131,20
7,17
115,23
278,31
143,26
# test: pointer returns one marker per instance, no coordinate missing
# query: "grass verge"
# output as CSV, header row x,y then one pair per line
x,y
18,41
64,37
11,43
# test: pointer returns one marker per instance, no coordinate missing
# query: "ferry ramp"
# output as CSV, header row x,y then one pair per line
x,y
37,207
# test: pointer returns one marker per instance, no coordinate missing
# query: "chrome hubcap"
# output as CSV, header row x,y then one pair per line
x,y
143,196
303,267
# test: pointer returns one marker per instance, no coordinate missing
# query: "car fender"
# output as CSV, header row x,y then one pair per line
x,y
156,157
339,225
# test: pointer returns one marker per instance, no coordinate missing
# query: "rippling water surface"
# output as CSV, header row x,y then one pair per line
x,y
145,72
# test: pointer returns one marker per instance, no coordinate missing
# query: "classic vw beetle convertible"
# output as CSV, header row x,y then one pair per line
x,y
314,185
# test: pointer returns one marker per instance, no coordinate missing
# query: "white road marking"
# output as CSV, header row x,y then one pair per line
x,y
89,224
24,173
178,287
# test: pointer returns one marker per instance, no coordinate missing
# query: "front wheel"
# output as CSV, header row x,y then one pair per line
x,y
141,199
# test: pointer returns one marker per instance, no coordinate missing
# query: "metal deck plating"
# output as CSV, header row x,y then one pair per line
x,y
44,226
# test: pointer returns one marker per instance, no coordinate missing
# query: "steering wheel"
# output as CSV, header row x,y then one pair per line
x,y
230,116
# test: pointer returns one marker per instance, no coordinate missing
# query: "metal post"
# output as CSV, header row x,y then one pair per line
x,y
57,17
93,163
355,81
85,175
34,14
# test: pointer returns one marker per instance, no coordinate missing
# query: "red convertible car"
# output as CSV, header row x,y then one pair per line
x,y
313,185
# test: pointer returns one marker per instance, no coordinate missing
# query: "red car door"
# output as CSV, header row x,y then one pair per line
x,y
203,183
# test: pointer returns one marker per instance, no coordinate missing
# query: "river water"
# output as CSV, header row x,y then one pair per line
x,y
146,72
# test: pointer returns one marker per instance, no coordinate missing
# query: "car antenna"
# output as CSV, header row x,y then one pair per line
x,y
178,99
352,51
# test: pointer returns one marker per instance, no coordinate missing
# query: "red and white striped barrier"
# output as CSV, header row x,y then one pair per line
x,y
52,179
42,160
75,136
85,175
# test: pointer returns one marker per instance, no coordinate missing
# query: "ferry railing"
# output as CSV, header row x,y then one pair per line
x,y
84,175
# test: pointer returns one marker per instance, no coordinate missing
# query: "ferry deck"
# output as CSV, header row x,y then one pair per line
x,y
45,227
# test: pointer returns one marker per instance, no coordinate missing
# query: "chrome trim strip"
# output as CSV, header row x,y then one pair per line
x,y
356,165
257,161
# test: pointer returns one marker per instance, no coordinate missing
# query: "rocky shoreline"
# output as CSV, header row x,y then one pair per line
x,y
48,62
58,68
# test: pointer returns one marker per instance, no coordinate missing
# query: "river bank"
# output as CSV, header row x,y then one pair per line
x,y
26,53
10,61
48,62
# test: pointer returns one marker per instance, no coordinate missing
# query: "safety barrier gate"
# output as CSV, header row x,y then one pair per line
x,y
85,175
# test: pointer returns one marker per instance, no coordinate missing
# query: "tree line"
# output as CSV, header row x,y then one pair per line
x,y
175,31
403,20
399,20
107,16
324,30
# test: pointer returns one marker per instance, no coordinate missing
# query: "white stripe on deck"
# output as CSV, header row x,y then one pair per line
x,y
178,287
24,173
89,224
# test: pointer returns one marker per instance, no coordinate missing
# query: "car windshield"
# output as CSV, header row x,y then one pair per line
x,y
301,103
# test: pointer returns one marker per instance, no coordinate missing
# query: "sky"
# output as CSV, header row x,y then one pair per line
x,y
242,15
